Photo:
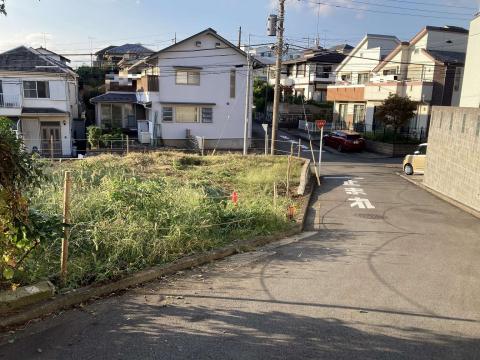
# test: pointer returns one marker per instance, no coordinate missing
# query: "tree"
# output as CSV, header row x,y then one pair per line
x,y
2,7
396,111
260,88
21,228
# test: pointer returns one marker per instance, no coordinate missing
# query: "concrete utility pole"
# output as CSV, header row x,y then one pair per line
x,y
240,37
247,102
278,72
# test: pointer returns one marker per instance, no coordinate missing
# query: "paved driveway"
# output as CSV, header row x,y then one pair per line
x,y
396,279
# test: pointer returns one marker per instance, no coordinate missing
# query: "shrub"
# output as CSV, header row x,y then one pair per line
x,y
21,228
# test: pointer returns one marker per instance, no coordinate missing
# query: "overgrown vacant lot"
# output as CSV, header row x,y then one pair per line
x,y
145,209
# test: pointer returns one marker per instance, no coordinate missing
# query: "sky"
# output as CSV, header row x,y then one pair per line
x,y
77,26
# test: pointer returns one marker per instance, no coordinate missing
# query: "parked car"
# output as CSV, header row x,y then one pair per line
x,y
415,164
345,140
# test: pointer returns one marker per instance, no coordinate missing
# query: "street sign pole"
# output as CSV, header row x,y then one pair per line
x,y
320,124
320,152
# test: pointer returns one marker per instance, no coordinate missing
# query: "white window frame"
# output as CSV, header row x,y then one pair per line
x,y
47,89
192,77
168,118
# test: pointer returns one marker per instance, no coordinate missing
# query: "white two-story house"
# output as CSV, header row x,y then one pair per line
x,y
39,93
310,74
348,92
428,69
196,86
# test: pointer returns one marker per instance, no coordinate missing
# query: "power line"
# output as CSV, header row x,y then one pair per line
x,y
383,12
407,8
434,5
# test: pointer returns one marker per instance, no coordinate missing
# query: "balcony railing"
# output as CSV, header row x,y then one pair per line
x,y
10,101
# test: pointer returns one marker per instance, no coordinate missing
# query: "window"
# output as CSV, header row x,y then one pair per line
x,y
112,116
36,89
363,78
390,71
422,150
324,71
207,115
346,77
187,77
233,82
463,122
301,69
167,113
106,119
186,114
358,114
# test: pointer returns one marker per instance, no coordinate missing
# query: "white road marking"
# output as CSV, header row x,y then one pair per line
x,y
361,203
355,191
350,183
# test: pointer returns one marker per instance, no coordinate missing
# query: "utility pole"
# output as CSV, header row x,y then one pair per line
x,y
240,37
278,72
247,102
91,51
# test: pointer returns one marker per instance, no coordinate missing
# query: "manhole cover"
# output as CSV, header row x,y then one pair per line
x,y
370,216
426,211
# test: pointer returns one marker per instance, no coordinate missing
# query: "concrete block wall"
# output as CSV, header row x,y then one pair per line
x,y
453,154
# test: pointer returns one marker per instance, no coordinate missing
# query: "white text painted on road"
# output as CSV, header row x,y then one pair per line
x,y
361,203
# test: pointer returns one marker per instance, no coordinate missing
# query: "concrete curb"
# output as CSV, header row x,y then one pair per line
x,y
305,177
25,295
445,198
80,295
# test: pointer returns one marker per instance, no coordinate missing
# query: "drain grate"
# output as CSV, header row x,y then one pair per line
x,y
370,216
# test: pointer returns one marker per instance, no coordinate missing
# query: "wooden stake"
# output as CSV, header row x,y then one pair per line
x,y
67,185
314,163
299,148
128,145
288,172
274,194
51,147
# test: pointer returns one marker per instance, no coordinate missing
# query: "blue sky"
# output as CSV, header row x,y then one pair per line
x,y
68,25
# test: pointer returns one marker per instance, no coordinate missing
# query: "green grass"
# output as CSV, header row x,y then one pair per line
x,y
132,212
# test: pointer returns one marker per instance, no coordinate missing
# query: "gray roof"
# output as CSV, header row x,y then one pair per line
x,y
327,57
112,97
29,60
37,110
128,48
341,47
448,28
447,57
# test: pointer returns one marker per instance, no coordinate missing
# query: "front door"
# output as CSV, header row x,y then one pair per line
x,y
51,139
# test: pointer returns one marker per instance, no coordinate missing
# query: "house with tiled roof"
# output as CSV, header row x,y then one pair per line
x,y
112,55
39,93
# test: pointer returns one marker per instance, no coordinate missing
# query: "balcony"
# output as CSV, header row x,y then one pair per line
x,y
10,101
345,93
415,90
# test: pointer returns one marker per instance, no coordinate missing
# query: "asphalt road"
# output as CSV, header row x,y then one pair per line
x,y
396,279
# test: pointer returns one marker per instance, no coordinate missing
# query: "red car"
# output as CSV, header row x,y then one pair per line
x,y
345,140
